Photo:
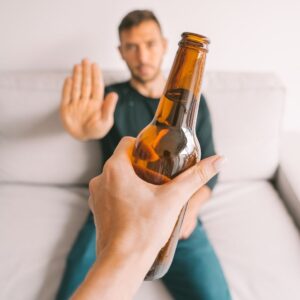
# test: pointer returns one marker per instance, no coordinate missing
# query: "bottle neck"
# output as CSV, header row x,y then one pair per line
x,y
178,107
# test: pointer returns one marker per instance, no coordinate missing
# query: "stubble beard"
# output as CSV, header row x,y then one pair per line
x,y
145,80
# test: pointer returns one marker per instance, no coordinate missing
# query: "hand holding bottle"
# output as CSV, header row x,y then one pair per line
x,y
134,219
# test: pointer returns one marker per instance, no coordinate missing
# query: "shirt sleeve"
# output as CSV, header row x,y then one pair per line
x,y
204,134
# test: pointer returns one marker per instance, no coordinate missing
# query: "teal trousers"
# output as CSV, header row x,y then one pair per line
x,y
195,273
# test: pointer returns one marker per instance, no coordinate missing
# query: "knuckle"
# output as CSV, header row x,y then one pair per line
x,y
110,166
76,86
125,139
202,174
92,184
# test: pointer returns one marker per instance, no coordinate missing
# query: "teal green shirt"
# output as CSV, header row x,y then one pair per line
x,y
134,111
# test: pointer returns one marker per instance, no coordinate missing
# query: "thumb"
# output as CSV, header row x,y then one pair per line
x,y
190,181
109,105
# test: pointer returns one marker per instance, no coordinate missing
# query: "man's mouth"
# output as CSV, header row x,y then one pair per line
x,y
144,69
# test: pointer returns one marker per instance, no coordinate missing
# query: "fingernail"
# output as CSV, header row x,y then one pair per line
x,y
220,162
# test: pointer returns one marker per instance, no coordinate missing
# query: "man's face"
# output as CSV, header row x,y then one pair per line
x,y
143,47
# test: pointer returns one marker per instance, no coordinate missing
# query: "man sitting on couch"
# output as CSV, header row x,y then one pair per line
x,y
126,109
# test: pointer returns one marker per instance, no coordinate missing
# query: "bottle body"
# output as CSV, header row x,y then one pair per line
x,y
157,164
168,145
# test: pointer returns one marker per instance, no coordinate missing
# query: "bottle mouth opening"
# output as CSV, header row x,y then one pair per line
x,y
194,39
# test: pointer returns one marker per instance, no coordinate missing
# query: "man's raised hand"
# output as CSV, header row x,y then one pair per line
x,y
85,113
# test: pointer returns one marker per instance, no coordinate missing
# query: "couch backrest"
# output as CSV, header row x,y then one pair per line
x,y
246,112
34,147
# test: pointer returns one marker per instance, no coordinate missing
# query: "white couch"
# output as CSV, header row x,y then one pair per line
x,y
44,175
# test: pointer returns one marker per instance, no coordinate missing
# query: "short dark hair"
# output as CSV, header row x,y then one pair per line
x,y
135,18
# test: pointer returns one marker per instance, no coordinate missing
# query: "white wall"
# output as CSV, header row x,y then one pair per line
x,y
252,35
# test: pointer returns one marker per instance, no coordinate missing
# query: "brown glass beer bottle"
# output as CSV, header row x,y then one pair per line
x,y
168,145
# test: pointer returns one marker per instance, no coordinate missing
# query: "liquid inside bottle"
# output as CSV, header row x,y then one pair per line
x,y
165,149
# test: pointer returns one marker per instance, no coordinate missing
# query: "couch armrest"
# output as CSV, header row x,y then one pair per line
x,y
288,176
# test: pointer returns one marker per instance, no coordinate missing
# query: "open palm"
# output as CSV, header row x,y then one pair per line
x,y
84,112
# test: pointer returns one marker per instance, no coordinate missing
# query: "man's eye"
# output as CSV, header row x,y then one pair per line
x,y
151,44
131,47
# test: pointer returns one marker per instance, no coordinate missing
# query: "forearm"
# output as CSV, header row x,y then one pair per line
x,y
115,277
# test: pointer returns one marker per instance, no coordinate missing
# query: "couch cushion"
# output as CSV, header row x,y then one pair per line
x,y
254,237
38,227
247,112
256,240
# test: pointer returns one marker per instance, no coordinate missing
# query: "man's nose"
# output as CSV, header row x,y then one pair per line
x,y
143,54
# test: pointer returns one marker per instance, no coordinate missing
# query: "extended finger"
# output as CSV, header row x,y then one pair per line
x,y
76,83
97,83
86,79
66,93
190,181
109,106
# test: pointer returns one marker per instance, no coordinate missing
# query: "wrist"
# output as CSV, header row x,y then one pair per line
x,y
127,254
75,132
114,268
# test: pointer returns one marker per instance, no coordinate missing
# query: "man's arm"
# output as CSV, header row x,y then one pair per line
x,y
114,276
